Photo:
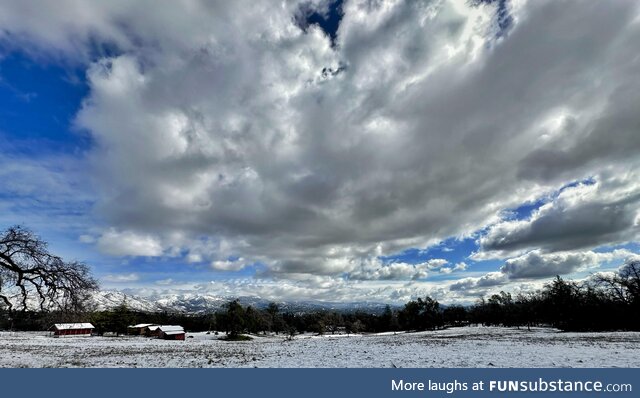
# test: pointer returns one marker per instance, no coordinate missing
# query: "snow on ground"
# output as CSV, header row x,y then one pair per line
x,y
455,347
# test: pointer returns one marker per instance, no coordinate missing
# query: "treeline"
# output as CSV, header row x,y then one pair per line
x,y
114,321
233,319
605,302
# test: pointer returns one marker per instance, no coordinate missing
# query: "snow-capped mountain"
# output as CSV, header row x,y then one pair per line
x,y
105,300
199,304
191,303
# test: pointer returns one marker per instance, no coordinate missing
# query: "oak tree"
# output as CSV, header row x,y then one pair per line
x,y
31,278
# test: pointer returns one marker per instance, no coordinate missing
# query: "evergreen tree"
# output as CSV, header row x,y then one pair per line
x,y
235,318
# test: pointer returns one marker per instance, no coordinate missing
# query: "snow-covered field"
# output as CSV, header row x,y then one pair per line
x,y
455,347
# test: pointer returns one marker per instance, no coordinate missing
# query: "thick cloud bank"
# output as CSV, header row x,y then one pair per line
x,y
224,131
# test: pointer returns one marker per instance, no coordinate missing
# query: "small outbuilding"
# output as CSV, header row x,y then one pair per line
x,y
139,329
171,332
152,330
72,329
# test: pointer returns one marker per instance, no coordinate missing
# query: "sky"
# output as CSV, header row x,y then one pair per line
x,y
356,150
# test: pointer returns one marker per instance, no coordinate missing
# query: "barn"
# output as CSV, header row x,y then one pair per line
x,y
171,332
139,329
72,329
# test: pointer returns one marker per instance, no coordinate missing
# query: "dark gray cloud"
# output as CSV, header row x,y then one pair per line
x,y
580,217
535,265
530,270
479,285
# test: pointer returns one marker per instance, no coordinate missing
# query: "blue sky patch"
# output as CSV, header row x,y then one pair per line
x,y
328,20
38,102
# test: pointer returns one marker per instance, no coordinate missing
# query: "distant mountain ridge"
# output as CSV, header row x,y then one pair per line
x,y
105,300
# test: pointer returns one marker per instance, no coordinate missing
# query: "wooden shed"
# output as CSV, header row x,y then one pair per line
x,y
171,332
72,329
152,330
139,329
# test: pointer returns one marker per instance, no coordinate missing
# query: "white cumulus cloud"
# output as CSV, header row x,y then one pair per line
x,y
224,130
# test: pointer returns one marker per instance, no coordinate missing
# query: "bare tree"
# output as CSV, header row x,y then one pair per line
x,y
33,278
624,286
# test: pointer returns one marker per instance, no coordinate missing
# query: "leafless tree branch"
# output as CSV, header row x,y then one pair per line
x,y
33,278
